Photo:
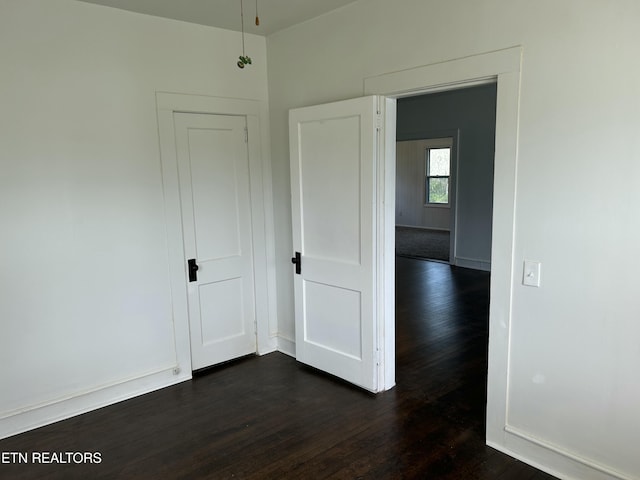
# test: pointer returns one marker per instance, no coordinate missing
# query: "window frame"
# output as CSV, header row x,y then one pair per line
x,y
427,177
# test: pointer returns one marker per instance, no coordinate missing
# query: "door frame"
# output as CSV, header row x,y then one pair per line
x,y
262,228
502,67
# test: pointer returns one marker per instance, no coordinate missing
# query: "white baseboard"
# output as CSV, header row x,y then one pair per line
x,y
270,348
473,263
28,419
553,459
287,346
584,467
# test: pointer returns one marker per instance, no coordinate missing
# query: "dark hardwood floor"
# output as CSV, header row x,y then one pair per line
x,y
271,418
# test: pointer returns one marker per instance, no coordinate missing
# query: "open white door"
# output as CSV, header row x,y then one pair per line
x,y
334,150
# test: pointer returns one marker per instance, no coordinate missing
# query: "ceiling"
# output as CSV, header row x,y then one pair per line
x,y
274,14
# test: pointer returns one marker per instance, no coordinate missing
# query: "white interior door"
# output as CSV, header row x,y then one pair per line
x,y
213,169
333,182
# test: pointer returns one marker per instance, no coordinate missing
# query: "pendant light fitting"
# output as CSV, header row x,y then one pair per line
x,y
244,59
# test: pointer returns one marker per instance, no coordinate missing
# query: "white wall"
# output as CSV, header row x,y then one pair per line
x,y
574,351
84,283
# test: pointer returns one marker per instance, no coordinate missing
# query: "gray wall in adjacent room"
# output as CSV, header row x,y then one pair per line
x,y
472,113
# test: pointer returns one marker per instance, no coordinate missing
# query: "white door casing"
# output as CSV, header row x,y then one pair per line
x,y
213,170
503,67
334,153
255,114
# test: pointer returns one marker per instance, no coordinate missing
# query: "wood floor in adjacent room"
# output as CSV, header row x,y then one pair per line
x,y
271,418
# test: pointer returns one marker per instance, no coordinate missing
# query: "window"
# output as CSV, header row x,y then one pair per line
x,y
437,175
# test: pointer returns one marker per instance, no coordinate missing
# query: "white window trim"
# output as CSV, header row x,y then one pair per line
x,y
434,143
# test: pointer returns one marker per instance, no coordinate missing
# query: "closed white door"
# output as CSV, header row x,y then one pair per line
x,y
333,182
213,169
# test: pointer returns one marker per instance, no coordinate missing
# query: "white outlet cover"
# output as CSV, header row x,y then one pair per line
x,y
531,273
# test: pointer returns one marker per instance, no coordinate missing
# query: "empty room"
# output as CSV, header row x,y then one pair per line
x,y
198,265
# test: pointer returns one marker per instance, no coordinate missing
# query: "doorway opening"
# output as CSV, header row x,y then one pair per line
x,y
445,146
444,186
503,68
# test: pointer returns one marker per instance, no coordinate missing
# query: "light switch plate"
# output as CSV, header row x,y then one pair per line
x,y
531,273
